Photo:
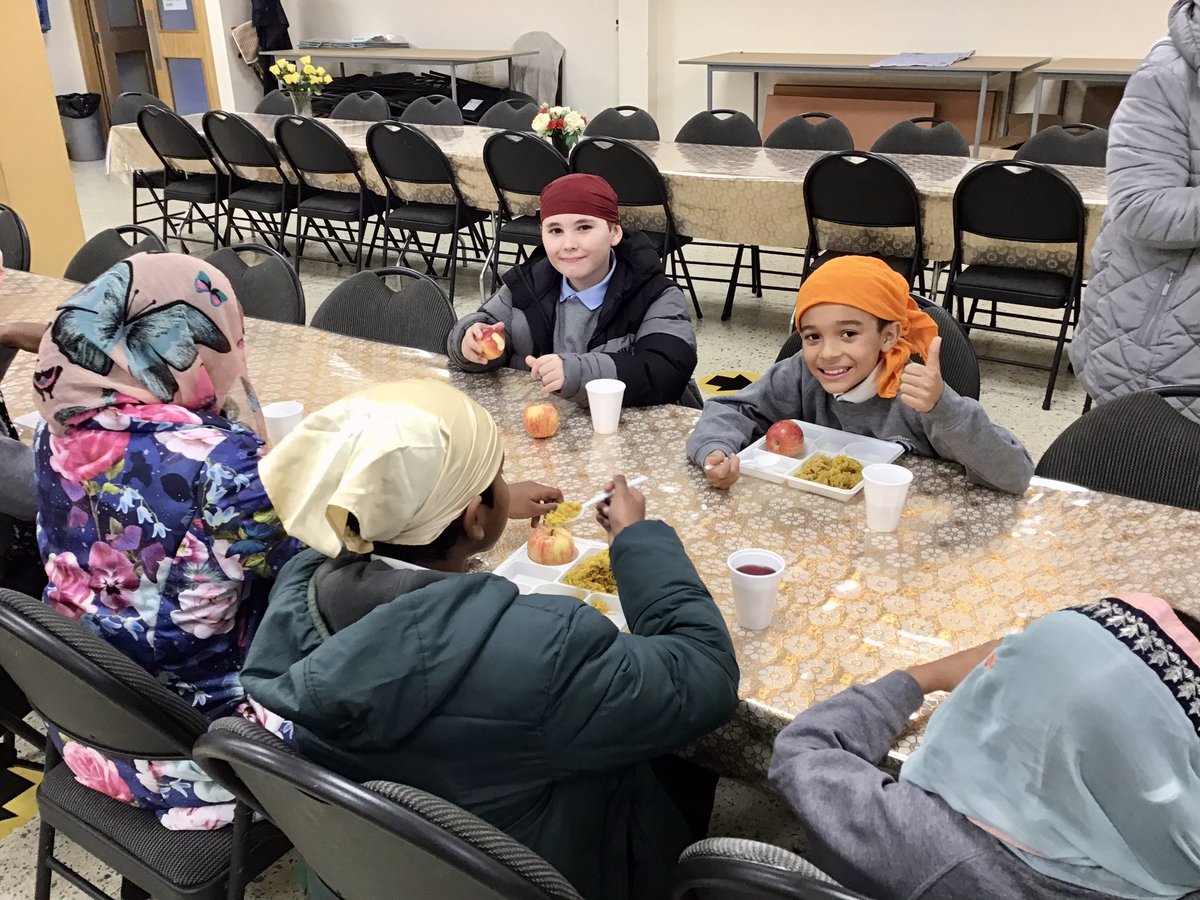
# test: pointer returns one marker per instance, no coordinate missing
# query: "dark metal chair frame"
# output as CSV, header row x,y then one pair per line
x,y
1066,145
299,313
733,869
503,114
18,260
275,103
613,122
435,104
361,106
154,245
141,179
781,138
930,137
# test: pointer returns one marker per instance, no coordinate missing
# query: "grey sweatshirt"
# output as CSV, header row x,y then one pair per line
x,y
957,428
886,838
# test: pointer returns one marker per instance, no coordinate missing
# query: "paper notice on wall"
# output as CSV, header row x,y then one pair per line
x,y
174,5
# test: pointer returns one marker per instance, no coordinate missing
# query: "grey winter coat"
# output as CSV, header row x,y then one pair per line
x,y
1140,322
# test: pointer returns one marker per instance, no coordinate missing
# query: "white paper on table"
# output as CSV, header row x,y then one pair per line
x,y
922,60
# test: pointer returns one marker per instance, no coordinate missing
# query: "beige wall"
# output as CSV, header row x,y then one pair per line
x,y
62,50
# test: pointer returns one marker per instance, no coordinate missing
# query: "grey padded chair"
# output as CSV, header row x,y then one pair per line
x,y
124,111
417,315
629,123
269,289
107,248
1138,445
960,365
737,869
276,103
363,106
722,127
388,835
811,131
435,109
510,115
1067,145
14,240
941,138
82,686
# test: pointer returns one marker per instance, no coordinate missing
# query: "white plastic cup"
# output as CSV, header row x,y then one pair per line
x,y
604,400
281,418
755,596
885,488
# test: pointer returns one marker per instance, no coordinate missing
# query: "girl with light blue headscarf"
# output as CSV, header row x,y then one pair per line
x,y
1065,764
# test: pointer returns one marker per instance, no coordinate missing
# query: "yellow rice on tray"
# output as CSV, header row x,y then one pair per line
x,y
839,471
593,574
566,512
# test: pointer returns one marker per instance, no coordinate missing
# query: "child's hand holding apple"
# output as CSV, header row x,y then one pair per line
x,y
483,343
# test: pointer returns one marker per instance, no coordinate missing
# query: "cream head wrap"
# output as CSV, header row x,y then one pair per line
x,y
404,458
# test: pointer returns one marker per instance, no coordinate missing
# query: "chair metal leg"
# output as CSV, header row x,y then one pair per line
x,y
130,891
45,850
1087,403
733,282
236,885
1058,351
687,277
756,270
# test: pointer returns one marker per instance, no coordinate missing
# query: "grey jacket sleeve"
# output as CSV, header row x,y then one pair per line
x,y
882,837
498,309
730,424
959,429
19,495
579,369
1150,197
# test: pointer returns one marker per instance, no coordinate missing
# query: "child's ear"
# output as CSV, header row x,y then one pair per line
x,y
615,235
890,334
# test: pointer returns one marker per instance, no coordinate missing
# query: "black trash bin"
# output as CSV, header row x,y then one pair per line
x,y
80,115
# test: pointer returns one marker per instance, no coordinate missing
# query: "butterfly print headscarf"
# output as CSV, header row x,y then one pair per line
x,y
157,328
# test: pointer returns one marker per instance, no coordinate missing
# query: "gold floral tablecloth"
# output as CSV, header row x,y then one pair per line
x,y
740,195
967,564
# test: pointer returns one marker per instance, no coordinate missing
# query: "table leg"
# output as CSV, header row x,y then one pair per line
x,y
710,73
1009,96
454,83
756,74
983,85
342,64
1037,104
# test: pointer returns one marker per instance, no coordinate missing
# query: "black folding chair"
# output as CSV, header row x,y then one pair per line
x,y
629,123
392,840
364,106
14,239
941,138
107,248
737,869
92,693
1030,204
432,110
265,207
811,131
269,289
276,103
1067,145
1138,445
124,111
409,162
511,115
173,141
314,152
520,165
418,314
637,183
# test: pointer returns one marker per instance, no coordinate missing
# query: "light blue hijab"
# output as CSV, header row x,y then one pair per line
x,y
1077,744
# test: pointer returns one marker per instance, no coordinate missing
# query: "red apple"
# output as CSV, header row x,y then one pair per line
x,y
549,546
785,438
541,420
491,342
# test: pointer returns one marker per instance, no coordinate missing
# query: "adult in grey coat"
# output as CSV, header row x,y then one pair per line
x,y
1140,323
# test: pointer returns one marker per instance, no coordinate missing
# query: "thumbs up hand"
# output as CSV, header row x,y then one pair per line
x,y
921,386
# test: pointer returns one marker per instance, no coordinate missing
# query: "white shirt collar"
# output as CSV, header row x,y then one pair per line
x,y
398,563
867,389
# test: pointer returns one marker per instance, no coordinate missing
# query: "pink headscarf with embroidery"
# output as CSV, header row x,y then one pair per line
x,y
157,328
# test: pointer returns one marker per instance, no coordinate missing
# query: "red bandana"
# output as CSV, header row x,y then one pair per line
x,y
581,195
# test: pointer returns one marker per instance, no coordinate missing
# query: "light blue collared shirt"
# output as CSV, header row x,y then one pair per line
x,y
593,297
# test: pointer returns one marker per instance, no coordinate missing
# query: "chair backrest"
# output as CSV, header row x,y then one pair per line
x,y
107,248
388,834
723,127
14,240
269,289
960,365
1137,445
363,106
1067,145
128,104
88,688
417,315
172,137
237,142
276,103
521,163
434,109
853,187
313,147
939,139
629,123
1010,201
630,172
737,869
811,131
512,115
403,153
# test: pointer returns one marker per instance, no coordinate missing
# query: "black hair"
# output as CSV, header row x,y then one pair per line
x,y
440,546
1189,622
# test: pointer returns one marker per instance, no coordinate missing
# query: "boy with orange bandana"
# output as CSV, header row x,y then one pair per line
x,y
860,329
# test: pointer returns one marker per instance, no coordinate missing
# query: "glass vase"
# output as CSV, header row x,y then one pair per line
x,y
302,100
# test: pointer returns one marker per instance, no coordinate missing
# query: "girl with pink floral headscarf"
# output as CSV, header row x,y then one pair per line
x,y
153,525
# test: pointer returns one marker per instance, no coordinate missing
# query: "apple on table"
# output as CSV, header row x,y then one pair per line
x,y
541,419
785,438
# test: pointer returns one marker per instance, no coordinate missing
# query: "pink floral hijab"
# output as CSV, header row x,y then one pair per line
x,y
155,329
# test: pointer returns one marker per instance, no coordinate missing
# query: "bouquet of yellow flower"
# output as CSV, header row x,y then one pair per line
x,y
301,76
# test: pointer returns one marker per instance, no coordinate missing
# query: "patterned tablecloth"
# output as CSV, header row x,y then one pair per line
x,y
740,195
967,564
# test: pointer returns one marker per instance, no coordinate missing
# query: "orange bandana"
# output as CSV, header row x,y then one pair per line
x,y
871,285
